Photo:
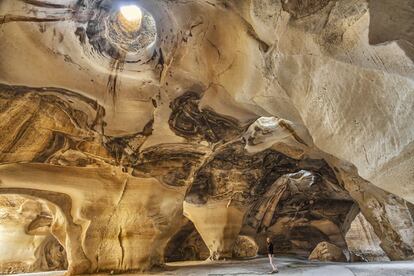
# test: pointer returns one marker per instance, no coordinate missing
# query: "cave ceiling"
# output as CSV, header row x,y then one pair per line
x,y
208,120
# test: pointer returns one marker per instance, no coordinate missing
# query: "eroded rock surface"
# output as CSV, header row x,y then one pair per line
x,y
27,242
205,128
363,242
327,252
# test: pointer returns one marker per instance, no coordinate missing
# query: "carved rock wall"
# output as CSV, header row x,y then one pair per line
x,y
249,118
27,243
363,242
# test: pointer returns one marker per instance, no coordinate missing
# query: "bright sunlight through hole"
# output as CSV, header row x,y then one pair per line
x,y
131,12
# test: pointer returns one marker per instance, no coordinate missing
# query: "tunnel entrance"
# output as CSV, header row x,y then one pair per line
x,y
25,235
188,245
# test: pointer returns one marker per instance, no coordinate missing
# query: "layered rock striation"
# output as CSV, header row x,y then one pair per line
x,y
213,125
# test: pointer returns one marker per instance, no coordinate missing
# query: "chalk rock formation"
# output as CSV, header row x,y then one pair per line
x,y
327,252
245,247
363,242
172,136
27,243
187,244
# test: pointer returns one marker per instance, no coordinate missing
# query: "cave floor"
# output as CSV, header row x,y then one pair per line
x,y
287,266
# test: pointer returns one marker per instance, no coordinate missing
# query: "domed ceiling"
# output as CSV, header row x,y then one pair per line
x,y
139,126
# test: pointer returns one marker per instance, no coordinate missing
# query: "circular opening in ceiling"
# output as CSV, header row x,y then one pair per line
x,y
125,32
131,13
130,16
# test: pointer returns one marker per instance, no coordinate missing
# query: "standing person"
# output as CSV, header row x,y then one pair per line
x,y
270,254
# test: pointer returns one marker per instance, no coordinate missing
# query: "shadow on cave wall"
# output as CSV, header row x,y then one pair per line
x,y
392,21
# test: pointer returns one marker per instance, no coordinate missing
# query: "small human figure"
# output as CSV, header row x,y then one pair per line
x,y
270,254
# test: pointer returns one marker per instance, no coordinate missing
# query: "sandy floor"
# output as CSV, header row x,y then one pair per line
x,y
287,266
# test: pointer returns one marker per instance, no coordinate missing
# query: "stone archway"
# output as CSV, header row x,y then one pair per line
x,y
28,244
62,227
